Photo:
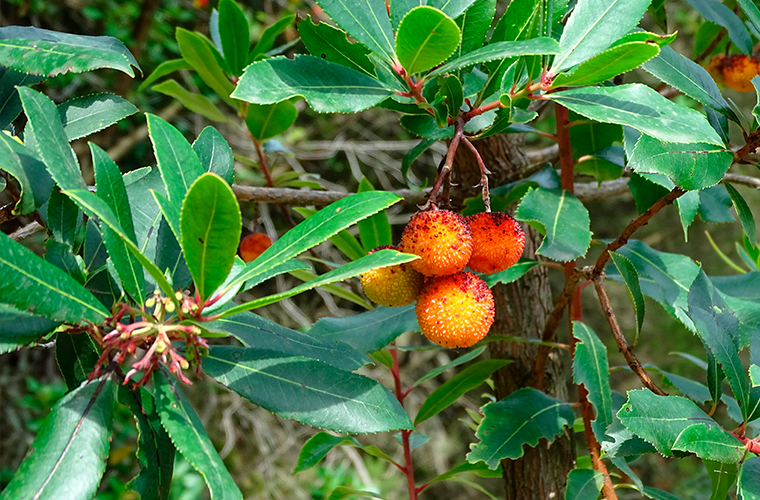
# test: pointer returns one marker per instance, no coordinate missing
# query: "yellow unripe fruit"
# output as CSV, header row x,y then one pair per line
x,y
392,286
441,238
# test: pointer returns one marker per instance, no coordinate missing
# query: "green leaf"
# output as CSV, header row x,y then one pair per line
x,y
743,211
327,87
10,104
236,37
715,204
61,256
320,444
451,364
450,89
369,331
92,113
187,433
474,24
210,225
375,230
52,143
722,476
500,50
111,190
71,443
330,43
283,268
749,476
155,451
215,154
510,275
307,390
269,120
659,420
523,417
383,258
16,161
305,276
641,108
752,12
365,20
198,53
18,328
711,443
425,38
481,469
565,221
584,484
594,26
50,53
63,218
690,166
463,382
590,368
264,335
47,290
608,64
178,163
162,70
690,78
268,36
76,354
314,230
716,12
631,280
650,492
196,103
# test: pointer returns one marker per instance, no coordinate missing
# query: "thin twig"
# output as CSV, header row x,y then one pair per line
x,y
716,41
483,174
446,169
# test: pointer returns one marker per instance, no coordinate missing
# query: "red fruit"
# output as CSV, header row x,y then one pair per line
x,y
441,238
254,245
392,286
456,310
498,242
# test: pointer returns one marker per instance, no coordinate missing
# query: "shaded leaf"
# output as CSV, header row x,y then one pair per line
x,y
590,368
749,479
320,444
631,280
716,12
18,328
196,103
86,115
15,158
215,154
235,36
584,484
178,163
266,40
500,50
455,362
269,120
164,69
197,52
608,64
743,211
76,354
327,42
63,218
722,477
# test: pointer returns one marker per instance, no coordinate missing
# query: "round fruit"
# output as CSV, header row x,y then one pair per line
x,y
441,239
392,286
254,245
738,71
498,242
456,310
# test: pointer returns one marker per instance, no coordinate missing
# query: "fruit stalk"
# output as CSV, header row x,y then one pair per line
x,y
408,468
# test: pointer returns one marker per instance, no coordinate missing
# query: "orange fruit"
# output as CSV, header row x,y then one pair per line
x,y
441,238
254,245
498,242
392,286
456,310
739,70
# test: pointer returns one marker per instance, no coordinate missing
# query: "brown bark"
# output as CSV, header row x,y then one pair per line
x,y
522,309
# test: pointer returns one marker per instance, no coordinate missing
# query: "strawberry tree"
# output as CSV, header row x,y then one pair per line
x,y
140,270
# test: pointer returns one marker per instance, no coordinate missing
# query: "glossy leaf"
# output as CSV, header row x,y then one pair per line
x,y
608,64
210,224
305,276
584,484
369,331
343,241
264,335
375,230
163,69
511,274
51,139
178,163
564,219
474,24
283,268
63,218
463,382
215,154
18,328
50,53
749,479
196,103
500,50
187,433
630,278
711,443
591,368
320,444
593,26
76,354
269,120
523,417
72,442
235,35
641,108
10,104
198,53
743,211
425,38
92,113
714,11
266,40
16,157
307,390
365,20
451,364
314,230
722,477
327,87
331,44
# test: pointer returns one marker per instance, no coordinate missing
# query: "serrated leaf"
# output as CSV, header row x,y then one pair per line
x,y
718,13
590,368
608,64
268,120
86,115
749,479
584,484
178,163
631,280
511,274
722,477
189,437
15,158
72,442
327,87
327,42
210,225
641,108
305,276
266,40
63,218
500,50
50,53
710,443
366,20
215,154
523,417
18,327
307,390
425,38
196,103
743,211
594,26
319,445
565,221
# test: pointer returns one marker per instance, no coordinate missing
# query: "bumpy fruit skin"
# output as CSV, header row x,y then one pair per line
x,y
441,238
739,70
392,286
498,242
254,245
456,310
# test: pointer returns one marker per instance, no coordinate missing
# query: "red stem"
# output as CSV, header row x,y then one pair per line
x,y
400,395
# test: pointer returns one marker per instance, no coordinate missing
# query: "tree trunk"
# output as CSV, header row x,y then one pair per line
x,y
522,309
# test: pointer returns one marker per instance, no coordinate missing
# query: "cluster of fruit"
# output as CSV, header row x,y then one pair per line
x,y
454,307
